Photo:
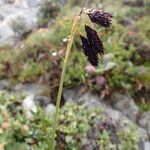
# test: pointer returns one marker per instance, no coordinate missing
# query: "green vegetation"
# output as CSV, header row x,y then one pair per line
x,y
39,58
46,41
75,124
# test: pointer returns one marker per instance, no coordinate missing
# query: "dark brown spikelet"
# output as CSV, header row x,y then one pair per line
x,y
88,51
94,40
100,17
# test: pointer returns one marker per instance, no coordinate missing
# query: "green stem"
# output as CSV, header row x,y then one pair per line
x,y
70,41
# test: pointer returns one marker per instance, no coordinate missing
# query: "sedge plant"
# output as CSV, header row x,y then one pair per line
x,y
92,47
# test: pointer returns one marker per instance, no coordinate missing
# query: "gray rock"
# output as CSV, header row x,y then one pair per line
x,y
4,84
136,3
7,35
34,3
144,145
144,121
63,2
125,123
21,22
126,22
15,19
144,51
42,100
147,145
32,88
115,115
109,66
119,117
87,98
24,3
143,136
50,110
8,10
2,2
141,70
29,105
125,104
71,94
108,58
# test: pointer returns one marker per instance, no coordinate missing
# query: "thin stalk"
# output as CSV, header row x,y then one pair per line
x,y
69,46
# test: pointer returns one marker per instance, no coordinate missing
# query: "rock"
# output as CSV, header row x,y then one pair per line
x,y
4,84
87,98
144,121
22,3
42,100
128,108
126,22
50,110
9,10
115,115
143,136
144,51
91,101
125,104
15,19
33,3
71,94
135,3
109,66
144,145
147,145
63,2
29,3
29,105
2,2
141,70
120,117
21,22
7,35
33,88
108,58
124,122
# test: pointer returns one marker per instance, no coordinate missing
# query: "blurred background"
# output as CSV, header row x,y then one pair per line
x,y
103,108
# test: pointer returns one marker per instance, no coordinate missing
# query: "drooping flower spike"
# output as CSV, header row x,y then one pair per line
x,y
94,40
92,45
88,51
100,17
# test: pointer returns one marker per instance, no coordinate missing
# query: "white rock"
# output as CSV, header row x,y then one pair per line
x,y
17,18
21,22
147,145
141,70
2,2
7,35
108,58
29,105
50,110
110,66
7,10
32,88
4,84
34,3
